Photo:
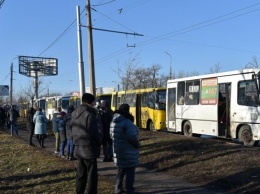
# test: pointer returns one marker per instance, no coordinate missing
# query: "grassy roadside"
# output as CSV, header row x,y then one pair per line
x,y
26,169
216,164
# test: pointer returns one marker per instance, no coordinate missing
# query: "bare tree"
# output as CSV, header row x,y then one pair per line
x,y
253,63
127,71
181,74
153,78
215,69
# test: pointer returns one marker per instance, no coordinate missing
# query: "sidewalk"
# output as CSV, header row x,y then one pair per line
x,y
146,181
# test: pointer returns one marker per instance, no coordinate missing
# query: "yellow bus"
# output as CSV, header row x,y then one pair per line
x,y
146,105
75,100
106,97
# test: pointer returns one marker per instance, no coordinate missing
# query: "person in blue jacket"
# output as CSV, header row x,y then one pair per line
x,y
40,131
125,136
62,132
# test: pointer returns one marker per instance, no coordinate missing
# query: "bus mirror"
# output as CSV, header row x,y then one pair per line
x,y
157,106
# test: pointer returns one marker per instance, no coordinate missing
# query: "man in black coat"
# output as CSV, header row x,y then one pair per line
x,y
106,118
30,124
87,142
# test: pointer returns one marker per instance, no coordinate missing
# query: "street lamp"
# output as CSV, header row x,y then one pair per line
x,y
49,88
170,63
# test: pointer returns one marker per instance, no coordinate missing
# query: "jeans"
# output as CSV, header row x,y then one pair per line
x,y
70,147
129,174
13,127
87,176
62,147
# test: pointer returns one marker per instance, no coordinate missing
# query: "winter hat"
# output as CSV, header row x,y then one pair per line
x,y
124,107
88,98
62,114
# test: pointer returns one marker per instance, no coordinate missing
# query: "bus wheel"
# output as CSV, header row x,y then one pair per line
x,y
245,135
151,126
187,129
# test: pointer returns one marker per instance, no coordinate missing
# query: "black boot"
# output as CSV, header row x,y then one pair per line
x,y
42,143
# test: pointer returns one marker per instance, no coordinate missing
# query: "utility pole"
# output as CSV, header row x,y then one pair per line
x,y
80,55
11,85
91,52
170,64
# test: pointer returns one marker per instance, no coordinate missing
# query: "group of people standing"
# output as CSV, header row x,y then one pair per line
x,y
63,135
8,118
120,140
84,131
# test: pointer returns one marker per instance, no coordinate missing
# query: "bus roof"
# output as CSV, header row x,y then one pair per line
x,y
221,74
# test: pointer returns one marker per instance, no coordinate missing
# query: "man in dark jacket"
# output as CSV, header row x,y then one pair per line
x,y
87,142
106,118
30,125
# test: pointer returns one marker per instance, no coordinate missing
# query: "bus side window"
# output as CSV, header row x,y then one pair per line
x,y
192,98
180,93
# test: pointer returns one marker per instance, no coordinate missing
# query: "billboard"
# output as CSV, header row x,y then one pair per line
x,y
4,90
37,66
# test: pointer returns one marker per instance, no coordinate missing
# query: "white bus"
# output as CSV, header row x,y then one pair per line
x,y
50,104
220,104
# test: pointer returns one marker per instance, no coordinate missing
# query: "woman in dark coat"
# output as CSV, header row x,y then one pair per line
x,y
30,124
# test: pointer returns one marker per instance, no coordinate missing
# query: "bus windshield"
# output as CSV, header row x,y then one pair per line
x,y
160,102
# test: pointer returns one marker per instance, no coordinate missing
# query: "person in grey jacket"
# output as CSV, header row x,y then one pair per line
x,y
87,141
124,134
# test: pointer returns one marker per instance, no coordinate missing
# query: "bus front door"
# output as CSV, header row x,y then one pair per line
x,y
171,110
224,110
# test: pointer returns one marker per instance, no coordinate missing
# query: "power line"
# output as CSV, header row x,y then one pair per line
x,y
62,34
186,30
194,27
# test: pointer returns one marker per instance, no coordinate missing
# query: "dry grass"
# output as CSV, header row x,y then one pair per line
x,y
216,164
46,174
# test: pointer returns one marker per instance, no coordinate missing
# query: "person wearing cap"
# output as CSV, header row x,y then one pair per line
x,y
124,134
87,142
70,145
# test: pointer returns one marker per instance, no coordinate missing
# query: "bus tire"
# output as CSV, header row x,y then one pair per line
x,y
245,136
187,129
150,126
